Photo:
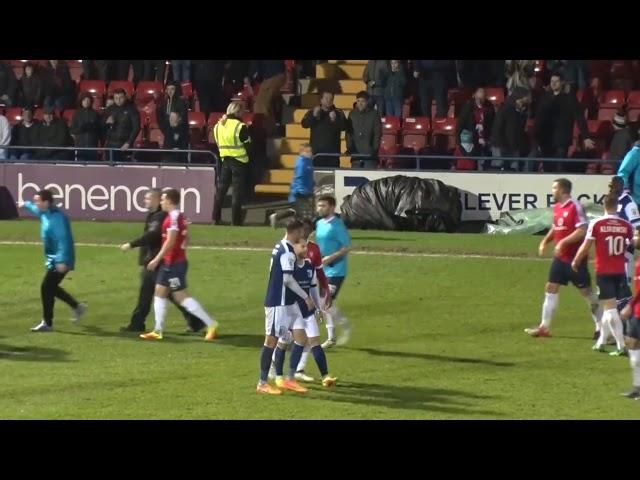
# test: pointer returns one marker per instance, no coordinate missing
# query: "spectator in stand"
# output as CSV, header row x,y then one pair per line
x,y
575,72
477,116
148,71
85,128
375,76
8,85
272,75
628,170
5,137
25,134
121,122
622,140
432,84
465,149
53,132
97,70
556,114
176,137
58,87
109,102
325,122
171,103
509,138
364,132
181,70
394,89
31,86
520,73
207,81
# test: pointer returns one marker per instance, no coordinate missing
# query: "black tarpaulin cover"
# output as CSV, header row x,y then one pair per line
x,y
403,203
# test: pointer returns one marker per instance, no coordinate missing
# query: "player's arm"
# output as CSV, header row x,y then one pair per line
x,y
287,262
152,236
31,207
345,240
582,253
172,238
314,291
545,241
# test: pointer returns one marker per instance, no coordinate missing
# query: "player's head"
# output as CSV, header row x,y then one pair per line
x,y
119,96
43,200
301,248
152,199
309,228
326,206
616,185
610,204
560,189
294,230
170,199
306,151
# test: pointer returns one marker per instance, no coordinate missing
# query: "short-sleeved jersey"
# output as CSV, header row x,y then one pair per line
x,y
305,275
175,221
628,210
283,260
332,235
611,235
314,255
567,218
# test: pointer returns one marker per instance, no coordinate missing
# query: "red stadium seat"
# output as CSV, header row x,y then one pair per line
x,y
613,98
415,142
443,133
148,115
416,125
126,86
389,140
196,120
67,116
390,125
214,117
148,92
155,135
97,88
495,95
633,99
14,115
633,114
606,114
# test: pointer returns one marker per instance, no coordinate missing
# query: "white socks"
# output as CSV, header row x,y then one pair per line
x,y
634,361
328,318
605,331
595,308
160,311
303,358
548,309
612,318
193,307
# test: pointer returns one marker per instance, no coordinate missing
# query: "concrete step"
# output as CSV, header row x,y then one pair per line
x,y
339,72
341,100
336,86
272,188
288,160
279,176
348,62
292,145
295,130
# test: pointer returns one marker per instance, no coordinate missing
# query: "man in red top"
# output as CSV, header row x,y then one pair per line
x,y
172,276
611,235
632,335
569,229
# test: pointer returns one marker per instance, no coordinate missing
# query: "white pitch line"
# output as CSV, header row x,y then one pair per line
x,y
355,252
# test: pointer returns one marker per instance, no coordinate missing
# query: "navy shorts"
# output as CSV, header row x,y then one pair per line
x,y
633,328
173,276
562,273
335,283
612,286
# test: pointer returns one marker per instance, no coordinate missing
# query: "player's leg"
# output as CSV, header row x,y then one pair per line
x,y
582,280
611,286
632,341
334,316
289,327
549,306
194,324
160,304
145,299
62,294
270,341
47,296
313,335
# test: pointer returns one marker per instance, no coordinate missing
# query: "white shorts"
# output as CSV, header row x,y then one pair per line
x,y
309,325
278,320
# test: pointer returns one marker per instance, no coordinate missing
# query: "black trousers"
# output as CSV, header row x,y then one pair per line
x,y
147,289
49,291
233,173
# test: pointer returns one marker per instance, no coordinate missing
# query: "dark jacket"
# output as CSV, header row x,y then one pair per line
x,y
325,133
555,117
364,131
509,128
25,137
151,240
85,126
31,88
8,81
55,134
621,143
265,69
57,82
430,68
168,105
395,85
175,137
376,71
466,120
126,125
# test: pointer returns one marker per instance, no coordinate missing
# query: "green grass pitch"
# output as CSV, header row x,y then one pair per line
x,y
435,337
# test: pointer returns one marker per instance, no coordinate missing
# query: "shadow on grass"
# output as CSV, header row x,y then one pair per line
x,y
433,357
242,340
411,398
33,354
93,331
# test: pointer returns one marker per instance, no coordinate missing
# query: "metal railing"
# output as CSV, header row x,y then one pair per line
x,y
422,161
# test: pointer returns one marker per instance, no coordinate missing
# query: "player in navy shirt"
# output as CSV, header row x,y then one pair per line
x,y
281,309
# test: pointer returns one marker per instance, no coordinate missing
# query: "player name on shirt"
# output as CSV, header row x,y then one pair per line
x,y
612,235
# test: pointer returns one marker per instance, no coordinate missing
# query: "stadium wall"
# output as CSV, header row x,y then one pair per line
x,y
485,195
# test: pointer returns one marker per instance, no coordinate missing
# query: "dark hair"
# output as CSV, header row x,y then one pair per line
x,y
330,199
564,183
155,191
559,75
293,225
45,196
610,202
617,184
310,224
362,94
120,91
28,108
326,91
172,195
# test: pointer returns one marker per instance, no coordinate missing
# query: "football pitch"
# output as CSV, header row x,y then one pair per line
x,y
437,320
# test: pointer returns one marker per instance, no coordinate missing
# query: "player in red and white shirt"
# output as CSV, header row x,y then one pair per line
x,y
172,276
632,336
568,231
611,236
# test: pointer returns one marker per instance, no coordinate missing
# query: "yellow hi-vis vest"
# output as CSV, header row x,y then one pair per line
x,y
227,138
